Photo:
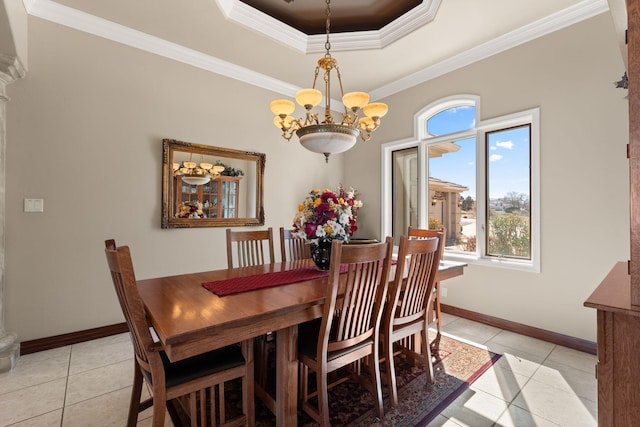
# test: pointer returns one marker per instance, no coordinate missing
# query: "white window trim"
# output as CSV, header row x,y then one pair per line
x,y
421,140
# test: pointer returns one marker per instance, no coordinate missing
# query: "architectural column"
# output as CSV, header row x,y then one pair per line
x,y
10,70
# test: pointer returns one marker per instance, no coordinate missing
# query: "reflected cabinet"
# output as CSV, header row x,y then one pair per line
x,y
219,197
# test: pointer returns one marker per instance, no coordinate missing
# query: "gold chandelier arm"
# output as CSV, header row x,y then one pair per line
x,y
288,134
365,134
311,118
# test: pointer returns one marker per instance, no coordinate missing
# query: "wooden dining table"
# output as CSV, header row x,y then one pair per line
x,y
190,320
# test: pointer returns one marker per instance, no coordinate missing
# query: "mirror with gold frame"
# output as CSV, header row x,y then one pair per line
x,y
204,186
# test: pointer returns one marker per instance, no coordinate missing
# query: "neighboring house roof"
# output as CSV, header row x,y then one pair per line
x,y
437,150
437,184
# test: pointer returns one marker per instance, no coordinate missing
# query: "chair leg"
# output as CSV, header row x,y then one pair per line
x,y
261,363
248,405
391,372
323,398
378,382
437,306
426,352
136,393
159,405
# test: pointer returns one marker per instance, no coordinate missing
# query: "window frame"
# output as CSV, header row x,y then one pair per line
x,y
421,140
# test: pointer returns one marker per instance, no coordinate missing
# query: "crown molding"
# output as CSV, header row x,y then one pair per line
x,y
11,69
554,22
243,14
72,18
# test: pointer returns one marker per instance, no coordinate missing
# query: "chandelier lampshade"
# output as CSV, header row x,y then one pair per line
x,y
324,134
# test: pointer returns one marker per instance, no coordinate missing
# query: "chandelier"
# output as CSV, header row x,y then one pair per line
x,y
328,136
194,174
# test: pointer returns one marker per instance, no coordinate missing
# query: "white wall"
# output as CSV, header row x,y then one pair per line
x,y
584,185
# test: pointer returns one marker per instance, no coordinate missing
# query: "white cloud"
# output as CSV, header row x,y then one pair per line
x,y
493,148
505,144
495,157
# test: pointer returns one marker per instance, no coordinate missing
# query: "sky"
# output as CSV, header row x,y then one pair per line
x,y
508,155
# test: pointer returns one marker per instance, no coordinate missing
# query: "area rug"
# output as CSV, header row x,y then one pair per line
x,y
456,366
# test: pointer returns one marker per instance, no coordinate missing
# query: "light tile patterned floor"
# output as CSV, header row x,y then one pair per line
x,y
535,383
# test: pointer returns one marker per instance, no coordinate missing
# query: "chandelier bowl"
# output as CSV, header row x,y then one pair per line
x,y
327,138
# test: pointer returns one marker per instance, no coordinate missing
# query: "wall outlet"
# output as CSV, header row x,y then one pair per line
x,y
443,292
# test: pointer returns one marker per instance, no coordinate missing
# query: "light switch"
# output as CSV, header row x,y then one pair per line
x,y
34,205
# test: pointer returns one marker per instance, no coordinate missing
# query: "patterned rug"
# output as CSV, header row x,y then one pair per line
x,y
456,366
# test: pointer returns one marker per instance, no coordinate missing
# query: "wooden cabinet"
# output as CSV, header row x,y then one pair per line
x,y
219,196
618,368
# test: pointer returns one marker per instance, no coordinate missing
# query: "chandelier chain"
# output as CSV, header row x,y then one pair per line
x,y
327,44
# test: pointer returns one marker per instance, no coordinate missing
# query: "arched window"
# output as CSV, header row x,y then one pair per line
x,y
479,179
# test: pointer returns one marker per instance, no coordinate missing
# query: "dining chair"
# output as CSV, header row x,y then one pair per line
x,y
197,377
348,330
441,233
249,247
293,247
408,304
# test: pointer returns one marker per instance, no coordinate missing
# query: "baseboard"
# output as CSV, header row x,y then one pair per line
x,y
41,344
519,328
48,343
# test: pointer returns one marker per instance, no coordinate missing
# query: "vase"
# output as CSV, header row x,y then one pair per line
x,y
321,253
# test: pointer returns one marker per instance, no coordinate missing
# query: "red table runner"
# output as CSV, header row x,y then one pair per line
x,y
266,280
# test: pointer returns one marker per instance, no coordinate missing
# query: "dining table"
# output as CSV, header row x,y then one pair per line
x,y
189,319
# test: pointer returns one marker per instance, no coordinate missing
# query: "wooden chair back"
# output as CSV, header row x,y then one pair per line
x,y
414,281
250,247
292,247
440,233
422,233
124,280
348,332
408,309
355,316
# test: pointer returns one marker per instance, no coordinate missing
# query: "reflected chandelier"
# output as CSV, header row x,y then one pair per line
x,y
194,174
327,136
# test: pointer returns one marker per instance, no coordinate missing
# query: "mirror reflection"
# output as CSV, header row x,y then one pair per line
x,y
206,186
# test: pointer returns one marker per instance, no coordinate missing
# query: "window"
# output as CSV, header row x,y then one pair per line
x,y
479,179
509,189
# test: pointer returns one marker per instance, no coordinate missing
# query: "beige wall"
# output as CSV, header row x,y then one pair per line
x,y
84,131
584,183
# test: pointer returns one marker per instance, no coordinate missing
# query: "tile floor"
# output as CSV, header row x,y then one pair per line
x,y
535,383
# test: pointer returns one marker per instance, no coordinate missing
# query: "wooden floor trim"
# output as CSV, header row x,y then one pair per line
x,y
48,343
41,344
519,328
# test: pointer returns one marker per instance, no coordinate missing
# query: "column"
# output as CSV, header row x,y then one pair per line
x,y
10,70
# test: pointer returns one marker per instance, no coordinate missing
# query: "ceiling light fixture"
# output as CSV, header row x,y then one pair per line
x,y
328,137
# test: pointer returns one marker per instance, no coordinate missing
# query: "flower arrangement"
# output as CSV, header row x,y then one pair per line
x,y
190,209
327,214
